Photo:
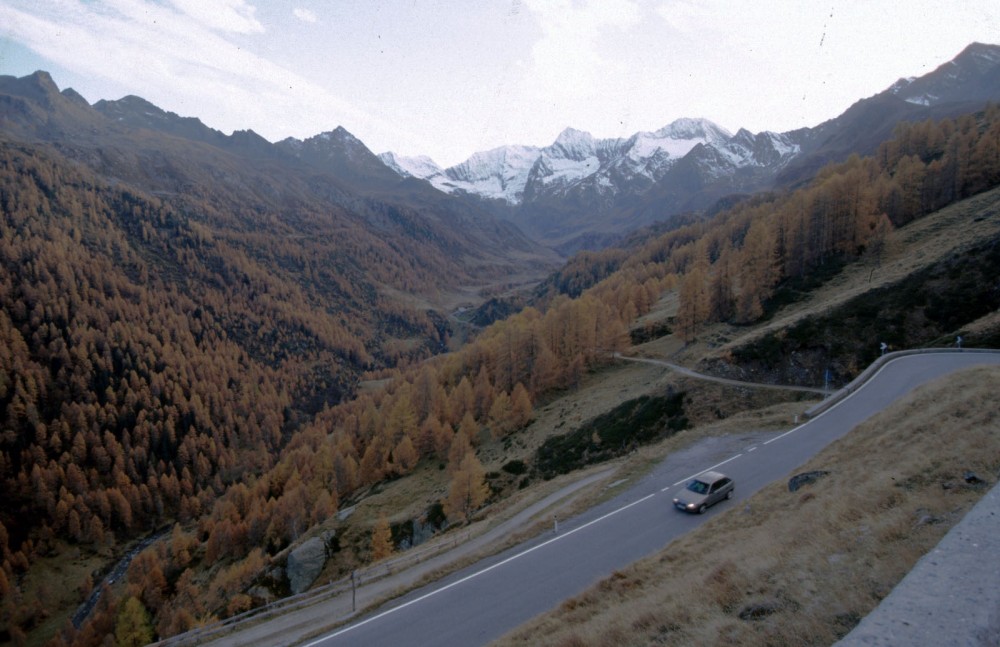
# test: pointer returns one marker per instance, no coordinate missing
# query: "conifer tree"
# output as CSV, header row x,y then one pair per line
x,y
381,540
133,628
468,490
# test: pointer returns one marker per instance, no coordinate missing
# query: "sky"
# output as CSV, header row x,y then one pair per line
x,y
447,78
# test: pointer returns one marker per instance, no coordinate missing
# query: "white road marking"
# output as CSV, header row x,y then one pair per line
x,y
849,396
478,573
707,469
792,430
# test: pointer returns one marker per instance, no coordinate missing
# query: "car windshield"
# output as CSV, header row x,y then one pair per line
x,y
698,487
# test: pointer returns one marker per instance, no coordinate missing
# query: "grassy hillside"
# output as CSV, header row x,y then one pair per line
x,y
934,284
804,567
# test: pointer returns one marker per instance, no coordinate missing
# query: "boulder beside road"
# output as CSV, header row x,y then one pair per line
x,y
305,564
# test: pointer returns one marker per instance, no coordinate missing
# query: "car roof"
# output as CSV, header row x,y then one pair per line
x,y
710,476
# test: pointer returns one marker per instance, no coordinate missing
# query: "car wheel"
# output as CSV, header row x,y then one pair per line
x,y
729,494
701,509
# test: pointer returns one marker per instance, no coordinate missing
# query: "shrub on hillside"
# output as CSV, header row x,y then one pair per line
x,y
637,422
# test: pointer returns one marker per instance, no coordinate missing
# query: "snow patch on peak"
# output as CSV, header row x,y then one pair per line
x,y
675,140
990,55
338,134
687,128
420,166
980,54
485,163
763,149
572,135
783,144
901,84
500,173
516,173
573,144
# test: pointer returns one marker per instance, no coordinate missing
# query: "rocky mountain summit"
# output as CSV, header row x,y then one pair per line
x,y
518,174
583,191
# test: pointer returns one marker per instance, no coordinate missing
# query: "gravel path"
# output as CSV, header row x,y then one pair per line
x,y
722,380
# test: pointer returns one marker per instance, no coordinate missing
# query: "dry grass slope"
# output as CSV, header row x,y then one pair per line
x,y
803,568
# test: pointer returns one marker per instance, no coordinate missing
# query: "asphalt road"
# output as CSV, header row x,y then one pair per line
x,y
481,603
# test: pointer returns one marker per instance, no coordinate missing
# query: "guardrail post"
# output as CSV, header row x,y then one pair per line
x,y
354,592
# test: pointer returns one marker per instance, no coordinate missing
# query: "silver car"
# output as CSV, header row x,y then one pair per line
x,y
704,490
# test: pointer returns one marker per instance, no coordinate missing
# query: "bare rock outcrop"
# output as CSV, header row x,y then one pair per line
x,y
305,564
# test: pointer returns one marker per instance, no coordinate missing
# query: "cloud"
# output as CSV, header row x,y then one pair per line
x,y
569,56
304,15
175,57
223,15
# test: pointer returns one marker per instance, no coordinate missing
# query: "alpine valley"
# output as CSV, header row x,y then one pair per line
x,y
233,371
582,192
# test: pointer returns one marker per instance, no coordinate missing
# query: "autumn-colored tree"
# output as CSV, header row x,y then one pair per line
x,y
404,456
469,428
483,393
459,447
468,490
522,410
501,417
133,628
381,541
461,401
694,303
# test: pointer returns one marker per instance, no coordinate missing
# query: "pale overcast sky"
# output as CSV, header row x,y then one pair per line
x,y
447,78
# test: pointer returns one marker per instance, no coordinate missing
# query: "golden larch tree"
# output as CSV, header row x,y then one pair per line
x,y
381,540
468,490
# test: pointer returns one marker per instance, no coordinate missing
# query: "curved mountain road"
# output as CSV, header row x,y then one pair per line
x,y
683,370
481,603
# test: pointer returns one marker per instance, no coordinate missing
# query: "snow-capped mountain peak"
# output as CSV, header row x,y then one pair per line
x,y
675,140
687,128
420,166
573,144
516,173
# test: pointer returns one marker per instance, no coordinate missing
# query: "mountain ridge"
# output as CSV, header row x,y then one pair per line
x,y
132,140
503,173
570,200
580,191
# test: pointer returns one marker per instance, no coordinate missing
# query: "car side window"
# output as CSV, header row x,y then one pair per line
x,y
715,486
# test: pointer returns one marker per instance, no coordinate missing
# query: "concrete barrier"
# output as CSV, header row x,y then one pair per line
x,y
952,595
874,368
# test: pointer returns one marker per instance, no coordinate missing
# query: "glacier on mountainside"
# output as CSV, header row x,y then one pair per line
x,y
577,156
